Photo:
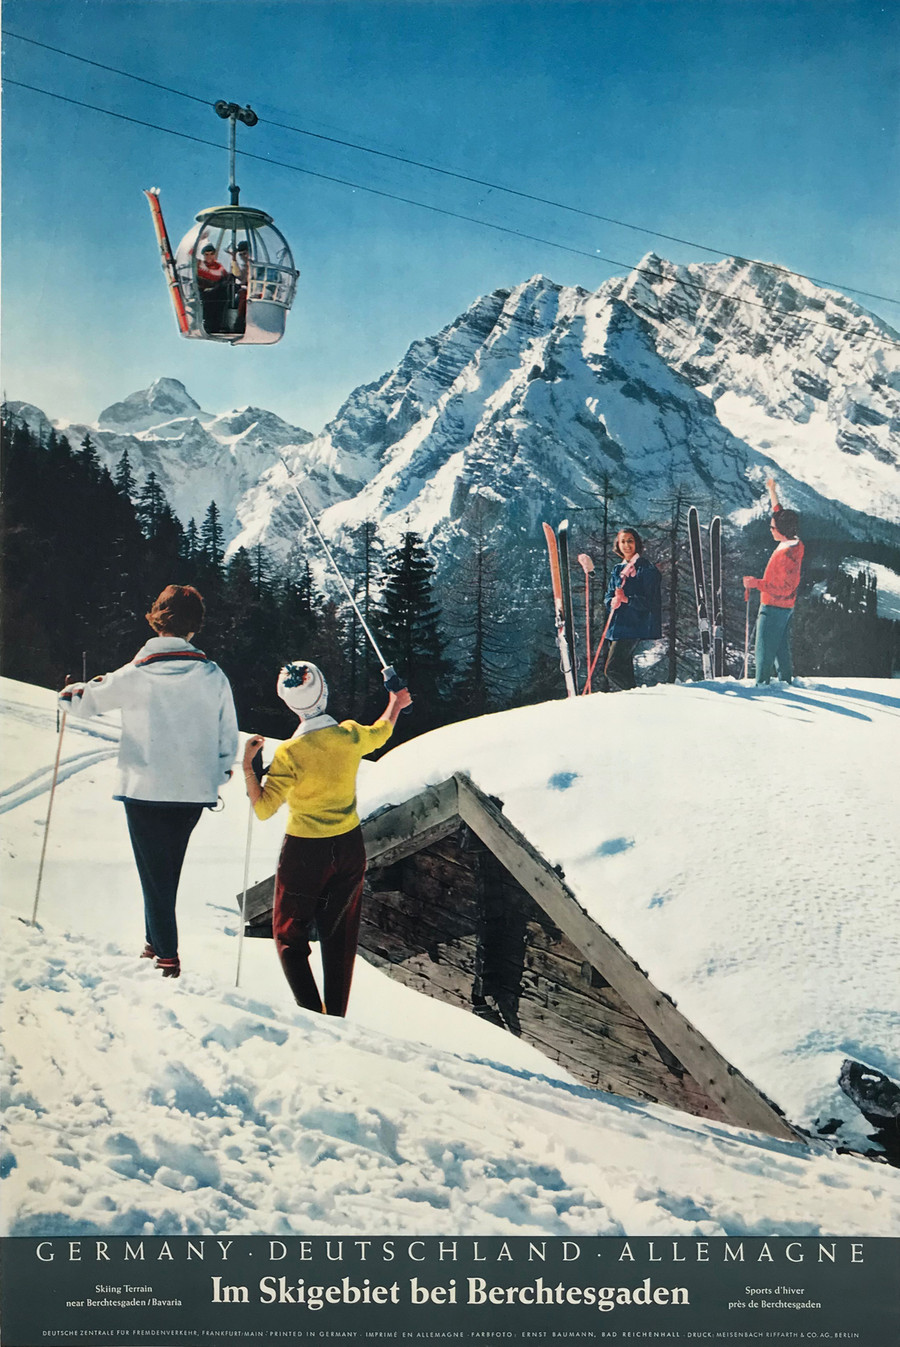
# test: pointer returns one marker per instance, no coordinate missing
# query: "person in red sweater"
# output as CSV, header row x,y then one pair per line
x,y
213,279
777,594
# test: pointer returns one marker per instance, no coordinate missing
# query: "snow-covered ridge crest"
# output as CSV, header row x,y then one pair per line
x,y
800,372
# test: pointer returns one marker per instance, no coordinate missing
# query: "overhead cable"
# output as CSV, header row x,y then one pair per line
x,y
469,219
478,182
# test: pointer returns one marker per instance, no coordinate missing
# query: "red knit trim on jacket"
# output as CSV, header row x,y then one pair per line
x,y
172,654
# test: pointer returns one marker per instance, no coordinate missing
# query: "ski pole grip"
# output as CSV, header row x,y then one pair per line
x,y
393,683
256,766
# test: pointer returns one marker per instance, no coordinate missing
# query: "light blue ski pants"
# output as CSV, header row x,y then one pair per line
x,y
773,643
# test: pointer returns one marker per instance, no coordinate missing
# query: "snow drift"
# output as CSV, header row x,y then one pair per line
x,y
137,1106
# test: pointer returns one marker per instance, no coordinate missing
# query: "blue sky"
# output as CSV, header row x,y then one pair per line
x,y
769,129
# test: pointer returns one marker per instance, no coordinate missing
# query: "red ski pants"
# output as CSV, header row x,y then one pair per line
x,y
319,880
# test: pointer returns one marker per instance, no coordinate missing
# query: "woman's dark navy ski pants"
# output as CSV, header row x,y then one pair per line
x,y
159,837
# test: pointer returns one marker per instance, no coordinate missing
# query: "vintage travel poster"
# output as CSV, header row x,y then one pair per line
x,y
451,543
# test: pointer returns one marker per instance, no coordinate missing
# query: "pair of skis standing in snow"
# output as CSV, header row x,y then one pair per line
x,y
634,598
637,582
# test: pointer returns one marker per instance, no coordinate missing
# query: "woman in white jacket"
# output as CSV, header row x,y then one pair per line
x,y
178,745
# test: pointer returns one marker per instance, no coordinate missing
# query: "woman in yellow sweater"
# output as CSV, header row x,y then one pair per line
x,y
323,859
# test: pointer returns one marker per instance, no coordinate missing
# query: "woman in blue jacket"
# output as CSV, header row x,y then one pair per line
x,y
634,597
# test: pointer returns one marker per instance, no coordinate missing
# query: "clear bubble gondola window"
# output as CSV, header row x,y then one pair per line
x,y
232,277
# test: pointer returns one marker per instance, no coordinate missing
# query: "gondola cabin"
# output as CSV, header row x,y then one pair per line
x,y
237,277
232,277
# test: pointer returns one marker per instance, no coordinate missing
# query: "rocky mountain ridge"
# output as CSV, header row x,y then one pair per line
x,y
707,378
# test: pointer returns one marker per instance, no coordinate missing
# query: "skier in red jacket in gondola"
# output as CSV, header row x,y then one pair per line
x,y
213,280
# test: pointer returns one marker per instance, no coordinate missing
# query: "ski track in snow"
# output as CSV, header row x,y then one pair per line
x,y
41,780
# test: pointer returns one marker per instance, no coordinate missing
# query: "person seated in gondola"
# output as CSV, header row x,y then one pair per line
x,y
214,282
240,256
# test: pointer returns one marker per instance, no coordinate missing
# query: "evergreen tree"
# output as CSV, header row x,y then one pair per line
x,y
190,543
483,682
151,505
410,619
209,555
164,535
212,542
124,477
261,571
87,456
363,674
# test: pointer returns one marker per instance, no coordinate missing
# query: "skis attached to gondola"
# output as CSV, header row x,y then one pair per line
x,y
167,258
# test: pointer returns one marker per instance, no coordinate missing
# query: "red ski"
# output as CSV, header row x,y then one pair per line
x,y
168,261
565,659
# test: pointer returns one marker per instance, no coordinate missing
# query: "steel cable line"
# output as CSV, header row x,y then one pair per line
x,y
470,219
113,70
477,182
578,210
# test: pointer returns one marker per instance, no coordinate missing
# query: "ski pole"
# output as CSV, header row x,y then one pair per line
x,y
600,646
392,680
587,566
40,875
237,976
746,631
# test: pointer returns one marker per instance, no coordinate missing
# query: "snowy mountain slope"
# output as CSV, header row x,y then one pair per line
x,y
138,1106
747,877
518,409
817,390
197,456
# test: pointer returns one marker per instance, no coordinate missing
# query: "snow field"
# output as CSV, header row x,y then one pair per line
x,y
136,1105
739,843
158,1109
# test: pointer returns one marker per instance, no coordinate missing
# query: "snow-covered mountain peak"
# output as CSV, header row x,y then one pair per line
x,y
256,426
196,456
801,373
713,375
163,401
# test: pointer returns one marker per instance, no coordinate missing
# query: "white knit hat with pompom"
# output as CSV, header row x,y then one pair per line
x,y
302,687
